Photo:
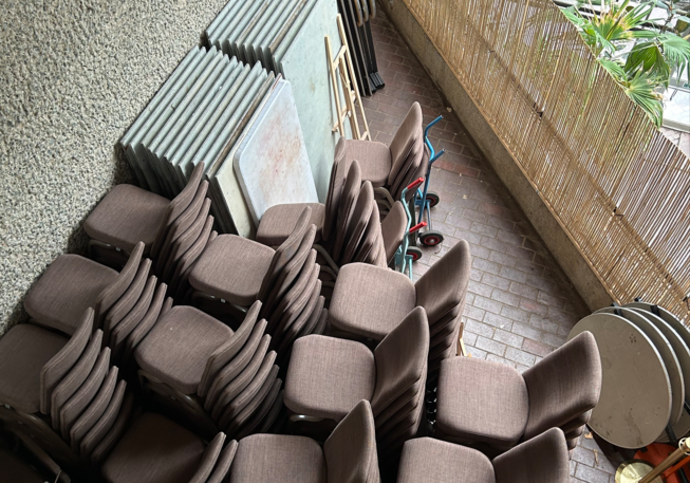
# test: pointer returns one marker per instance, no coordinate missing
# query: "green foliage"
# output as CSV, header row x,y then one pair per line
x,y
657,52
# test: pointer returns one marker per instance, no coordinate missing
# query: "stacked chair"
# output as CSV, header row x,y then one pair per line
x,y
156,449
174,233
541,459
62,392
348,455
206,374
483,402
328,376
15,470
369,302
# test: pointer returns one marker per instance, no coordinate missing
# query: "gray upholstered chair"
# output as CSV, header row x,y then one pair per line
x,y
72,283
348,455
387,167
481,401
393,229
155,449
368,302
543,459
241,271
327,376
129,215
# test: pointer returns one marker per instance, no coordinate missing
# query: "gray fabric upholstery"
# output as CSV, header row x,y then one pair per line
x,y
293,310
481,401
185,241
327,377
335,188
178,347
393,229
179,281
350,450
104,423
280,220
24,350
370,237
401,359
76,405
259,403
543,459
370,301
414,167
270,458
75,378
564,385
155,310
251,421
208,460
407,135
232,268
69,286
304,324
427,459
154,450
374,159
348,197
94,410
126,216
229,349
113,436
302,280
119,285
358,223
225,459
124,305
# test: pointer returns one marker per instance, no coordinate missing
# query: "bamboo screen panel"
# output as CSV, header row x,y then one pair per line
x,y
618,187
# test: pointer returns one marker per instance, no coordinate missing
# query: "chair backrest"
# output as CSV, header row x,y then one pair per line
x,y
117,287
370,236
75,378
186,240
350,450
94,410
61,363
393,229
105,446
178,281
208,460
122,307
224,462
357,224
401,359
104,423
119,334
229,349
444,286
416,166
563,385
154,311
348,196
295,290
285,252
76,405
176,207
408,134
335,188
543,458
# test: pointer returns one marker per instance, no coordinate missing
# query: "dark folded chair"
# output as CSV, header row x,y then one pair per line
x,y
481,401
541,459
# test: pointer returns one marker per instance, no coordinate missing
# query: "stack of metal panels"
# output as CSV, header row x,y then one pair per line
x,y
199,115
287,37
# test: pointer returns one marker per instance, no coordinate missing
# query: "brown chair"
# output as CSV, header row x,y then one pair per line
x,y
327,376
543,459
241,271
129,215
34,360
348,455
388,167
481,401
393,229
72,284
155,449
368,302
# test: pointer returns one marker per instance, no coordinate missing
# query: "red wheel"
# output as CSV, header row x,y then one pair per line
x,y
432,198
431,238
415,252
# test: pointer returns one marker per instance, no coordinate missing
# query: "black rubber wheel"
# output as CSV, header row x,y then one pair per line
x,y
431,238
415,252
432,198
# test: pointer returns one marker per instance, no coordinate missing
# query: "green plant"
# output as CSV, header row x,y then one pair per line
x,y
639,53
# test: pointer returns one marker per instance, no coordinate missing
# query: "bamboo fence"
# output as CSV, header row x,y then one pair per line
x,y
617,186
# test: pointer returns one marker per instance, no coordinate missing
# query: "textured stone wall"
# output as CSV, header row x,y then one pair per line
x,y
73,76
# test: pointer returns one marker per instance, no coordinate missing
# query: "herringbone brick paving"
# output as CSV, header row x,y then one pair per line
x,y
519,306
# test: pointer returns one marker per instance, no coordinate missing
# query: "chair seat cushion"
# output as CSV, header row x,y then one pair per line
x,y
370,301
232,268
126,216
374,160
279,222
69,286
428,459
179,345
481,401
274,458
24,350
154,450
327,377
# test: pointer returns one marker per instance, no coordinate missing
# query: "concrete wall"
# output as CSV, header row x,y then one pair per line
x,y
565,252
73,77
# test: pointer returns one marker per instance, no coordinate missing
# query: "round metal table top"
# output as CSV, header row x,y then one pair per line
x,y
666,351
635,402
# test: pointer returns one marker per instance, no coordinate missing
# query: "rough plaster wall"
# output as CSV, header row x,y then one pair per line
x,y
73,76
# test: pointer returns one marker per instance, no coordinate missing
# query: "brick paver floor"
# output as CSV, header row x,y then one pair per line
x,y
520,306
